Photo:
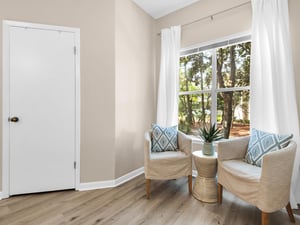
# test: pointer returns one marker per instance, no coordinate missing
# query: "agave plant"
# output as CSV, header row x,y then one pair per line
x,y
210,133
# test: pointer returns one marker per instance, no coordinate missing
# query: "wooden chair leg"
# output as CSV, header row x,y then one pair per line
x,y
220,193
190,184
264,218
148,184
290,212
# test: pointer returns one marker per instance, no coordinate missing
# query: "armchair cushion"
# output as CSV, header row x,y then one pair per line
x,y
243,171
167,155
263,142
164,139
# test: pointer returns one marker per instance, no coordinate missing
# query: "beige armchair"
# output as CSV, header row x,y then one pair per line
x,y
266,187
169,164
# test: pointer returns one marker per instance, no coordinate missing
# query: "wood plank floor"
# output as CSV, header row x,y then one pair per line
x,y
170,204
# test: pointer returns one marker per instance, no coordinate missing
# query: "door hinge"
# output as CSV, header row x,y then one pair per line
x,y
75,50
75,165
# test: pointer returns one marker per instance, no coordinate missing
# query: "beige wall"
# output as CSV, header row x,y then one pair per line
x,y
232,22
294,8
95,18
134,84
117,72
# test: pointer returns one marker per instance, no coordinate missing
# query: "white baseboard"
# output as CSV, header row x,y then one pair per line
x,y
110,183
194,173
96,185
129,176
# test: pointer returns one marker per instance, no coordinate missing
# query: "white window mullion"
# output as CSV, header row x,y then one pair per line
x,y
243,88
214,93
194,92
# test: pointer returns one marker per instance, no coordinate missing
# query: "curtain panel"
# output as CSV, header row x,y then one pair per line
x,y
273,96
167,101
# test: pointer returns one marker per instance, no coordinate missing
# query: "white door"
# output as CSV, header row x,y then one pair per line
x,y
41,110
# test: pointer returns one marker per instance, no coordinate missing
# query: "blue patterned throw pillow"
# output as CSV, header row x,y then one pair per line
x,y
164,139
261,143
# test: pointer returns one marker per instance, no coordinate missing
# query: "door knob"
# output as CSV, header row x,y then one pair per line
x,y
14,119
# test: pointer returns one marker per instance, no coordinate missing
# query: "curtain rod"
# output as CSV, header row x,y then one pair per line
x,y
211,17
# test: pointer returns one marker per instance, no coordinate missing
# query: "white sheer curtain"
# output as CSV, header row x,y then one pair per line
x,y
273,96
167,101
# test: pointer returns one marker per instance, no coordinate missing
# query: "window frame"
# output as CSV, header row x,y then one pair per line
x,y
212,46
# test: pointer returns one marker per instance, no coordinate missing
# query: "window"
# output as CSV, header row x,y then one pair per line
x,y
214,87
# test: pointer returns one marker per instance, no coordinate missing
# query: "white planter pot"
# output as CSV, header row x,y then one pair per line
x,y
208,148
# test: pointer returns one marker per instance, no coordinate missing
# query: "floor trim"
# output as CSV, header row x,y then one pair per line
x,y
129,176
111,183
194,173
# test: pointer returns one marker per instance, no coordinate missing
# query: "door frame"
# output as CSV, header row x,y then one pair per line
x,y
7,24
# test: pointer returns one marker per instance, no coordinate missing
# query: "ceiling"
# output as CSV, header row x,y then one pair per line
x,y
159,8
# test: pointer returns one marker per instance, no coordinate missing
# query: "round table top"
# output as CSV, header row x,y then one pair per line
x,y
201,155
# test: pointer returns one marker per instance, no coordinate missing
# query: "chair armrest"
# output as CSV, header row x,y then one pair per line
x,y
279,163
147,146
277,168
184,143
232,148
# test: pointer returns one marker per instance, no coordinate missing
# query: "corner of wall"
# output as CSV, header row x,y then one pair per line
x,y
133,84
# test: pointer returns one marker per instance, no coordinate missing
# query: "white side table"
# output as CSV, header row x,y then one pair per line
x,y
205,186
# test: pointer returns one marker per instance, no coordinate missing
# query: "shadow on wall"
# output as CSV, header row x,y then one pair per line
x,y
129,152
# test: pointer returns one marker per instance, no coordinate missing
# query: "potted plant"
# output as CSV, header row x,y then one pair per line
x,y
209,134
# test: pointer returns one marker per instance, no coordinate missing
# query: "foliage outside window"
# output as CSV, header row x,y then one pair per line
x,y
214,88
